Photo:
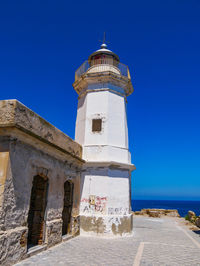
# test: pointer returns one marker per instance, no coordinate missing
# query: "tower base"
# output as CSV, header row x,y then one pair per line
x,y
106,225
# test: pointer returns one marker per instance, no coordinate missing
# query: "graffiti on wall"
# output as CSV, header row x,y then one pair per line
x,y
95,204
119,211
98,205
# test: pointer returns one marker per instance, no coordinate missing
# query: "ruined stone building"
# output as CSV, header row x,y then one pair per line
x,y
53,188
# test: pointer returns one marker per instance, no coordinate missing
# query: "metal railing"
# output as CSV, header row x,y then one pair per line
x,y
124,70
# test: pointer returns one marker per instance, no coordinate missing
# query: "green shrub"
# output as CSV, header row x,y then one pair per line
x,y
191,220
187,217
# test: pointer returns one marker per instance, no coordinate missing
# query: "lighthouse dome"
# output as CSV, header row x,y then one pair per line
x,y
103,60
103,52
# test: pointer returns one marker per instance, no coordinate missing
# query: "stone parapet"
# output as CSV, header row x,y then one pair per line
x,y
157,212
15,114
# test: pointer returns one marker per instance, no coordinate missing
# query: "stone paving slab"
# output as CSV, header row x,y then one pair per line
x,y
156,241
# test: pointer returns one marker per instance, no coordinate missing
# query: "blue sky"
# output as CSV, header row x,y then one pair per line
x,y
42,43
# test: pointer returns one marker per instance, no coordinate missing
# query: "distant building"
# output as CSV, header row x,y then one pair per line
x,y
53,188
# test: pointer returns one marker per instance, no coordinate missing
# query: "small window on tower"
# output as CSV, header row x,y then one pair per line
x,y
96,125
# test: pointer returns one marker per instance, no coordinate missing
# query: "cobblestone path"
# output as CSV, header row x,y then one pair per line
x,y
156,241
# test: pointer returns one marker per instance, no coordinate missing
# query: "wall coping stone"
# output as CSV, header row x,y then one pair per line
x,y
15,114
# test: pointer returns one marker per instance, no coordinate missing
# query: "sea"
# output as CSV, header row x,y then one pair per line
x,y
182,206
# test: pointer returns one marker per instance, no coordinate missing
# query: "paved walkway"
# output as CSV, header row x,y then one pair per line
x,y
156,241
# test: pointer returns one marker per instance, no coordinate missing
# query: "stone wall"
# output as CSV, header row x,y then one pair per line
x,y
191,216
30,147
15,114
157,212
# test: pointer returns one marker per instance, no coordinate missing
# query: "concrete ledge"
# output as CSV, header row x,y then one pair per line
x,y
67,237
103,77
35,250
111,164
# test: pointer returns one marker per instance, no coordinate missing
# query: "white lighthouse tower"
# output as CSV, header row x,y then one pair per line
x,y
103,84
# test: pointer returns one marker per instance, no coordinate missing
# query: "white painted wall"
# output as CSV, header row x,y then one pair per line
x,y
104,153
81,120
117,121
110,189
112,142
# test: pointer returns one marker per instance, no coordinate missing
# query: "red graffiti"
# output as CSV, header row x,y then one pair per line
x,y
85,200
98,204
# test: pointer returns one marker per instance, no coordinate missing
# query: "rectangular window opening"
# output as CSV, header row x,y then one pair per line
x,y
96,125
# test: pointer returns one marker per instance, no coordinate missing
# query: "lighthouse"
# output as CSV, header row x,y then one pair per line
x,y
103,84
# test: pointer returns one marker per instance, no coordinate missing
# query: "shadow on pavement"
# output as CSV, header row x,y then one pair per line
x,y
196,232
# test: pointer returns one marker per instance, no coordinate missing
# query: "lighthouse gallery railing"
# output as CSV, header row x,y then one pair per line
x,y
124,70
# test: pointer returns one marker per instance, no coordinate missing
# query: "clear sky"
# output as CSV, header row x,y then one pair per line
x,y
42,43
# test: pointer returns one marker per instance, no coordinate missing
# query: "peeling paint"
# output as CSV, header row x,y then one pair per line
x,y
106,225
124,226
92,224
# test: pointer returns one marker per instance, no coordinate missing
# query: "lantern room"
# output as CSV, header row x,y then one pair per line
x,y
103,56
103,66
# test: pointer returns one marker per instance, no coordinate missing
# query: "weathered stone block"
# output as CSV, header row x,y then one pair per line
x,y
53,232
75,228
197,222
13,246
4,159
158,212
191,216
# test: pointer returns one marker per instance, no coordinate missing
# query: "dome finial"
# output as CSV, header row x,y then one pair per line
x,y
104,50
104,45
